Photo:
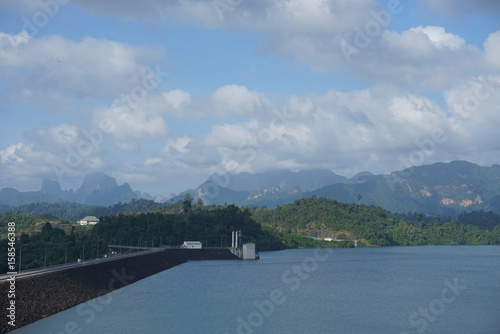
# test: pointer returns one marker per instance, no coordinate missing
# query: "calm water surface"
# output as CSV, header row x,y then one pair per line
x,y
432,289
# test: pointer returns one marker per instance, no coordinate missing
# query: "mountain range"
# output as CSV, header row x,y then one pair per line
x,y
445,189
96,189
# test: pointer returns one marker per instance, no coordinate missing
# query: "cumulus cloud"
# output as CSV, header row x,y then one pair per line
x,y
317,130
347,132
492,50
177,98
234,99
423,57
24,164
127,128
440,37
326,35
55,70
248,130
225,101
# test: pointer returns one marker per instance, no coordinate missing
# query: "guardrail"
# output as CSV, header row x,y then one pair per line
x,y
69,265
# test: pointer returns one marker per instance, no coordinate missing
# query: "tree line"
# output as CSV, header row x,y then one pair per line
x,y
210,225
296,225
372,224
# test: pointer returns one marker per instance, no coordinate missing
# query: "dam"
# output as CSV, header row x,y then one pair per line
x,y
42,293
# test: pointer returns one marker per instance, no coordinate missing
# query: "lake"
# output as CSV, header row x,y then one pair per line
x,y
427,289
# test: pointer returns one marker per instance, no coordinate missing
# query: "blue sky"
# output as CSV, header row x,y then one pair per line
x,y
243,86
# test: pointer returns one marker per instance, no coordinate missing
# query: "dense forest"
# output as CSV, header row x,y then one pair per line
x,y
210,225
47,239
370,224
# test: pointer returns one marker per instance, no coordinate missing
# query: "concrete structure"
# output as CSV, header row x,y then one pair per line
x,y
249,251
38,296
192,244
236,239
89,220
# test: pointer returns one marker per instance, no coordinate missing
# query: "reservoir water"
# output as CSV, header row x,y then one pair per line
x,y
429,289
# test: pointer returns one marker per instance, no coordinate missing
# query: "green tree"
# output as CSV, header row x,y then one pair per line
x,y
187,203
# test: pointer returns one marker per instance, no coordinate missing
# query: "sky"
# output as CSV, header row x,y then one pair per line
x,y
163,94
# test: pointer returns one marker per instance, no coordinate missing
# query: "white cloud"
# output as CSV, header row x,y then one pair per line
x,y
9,155
492,50
177,98
127,128
312,32
23,165
424,58
55,70
152,161
57,138
343,131
330,130
226,101
440,37
178,145
245,129
234,99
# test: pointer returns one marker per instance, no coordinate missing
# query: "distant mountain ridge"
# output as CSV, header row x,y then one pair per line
x,y
305,179
246,188
96,189
446,189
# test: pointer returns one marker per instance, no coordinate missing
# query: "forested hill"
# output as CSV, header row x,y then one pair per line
x,y
210,225
73,211
320,217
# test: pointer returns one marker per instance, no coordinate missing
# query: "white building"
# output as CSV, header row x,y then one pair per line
x,y
89,220
192,244
249,251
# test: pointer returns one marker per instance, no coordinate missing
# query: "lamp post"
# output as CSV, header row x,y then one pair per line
x,y
66,254
21,256
45,263
111,242
140,241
